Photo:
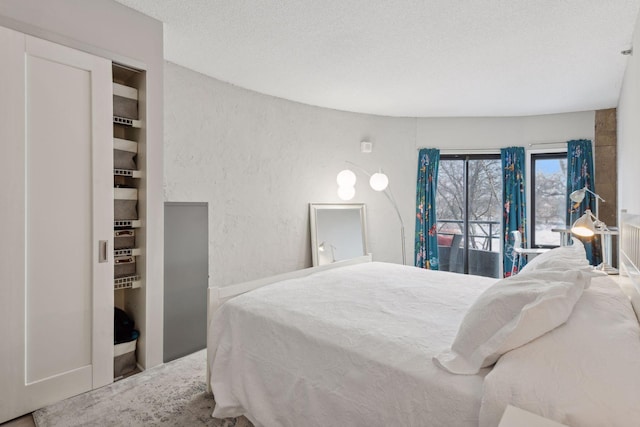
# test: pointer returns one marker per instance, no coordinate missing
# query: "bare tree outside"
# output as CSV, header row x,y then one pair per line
x,y
450,197
550,192
485,206
484,193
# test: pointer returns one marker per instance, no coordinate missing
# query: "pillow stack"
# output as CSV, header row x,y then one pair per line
x,y
519,309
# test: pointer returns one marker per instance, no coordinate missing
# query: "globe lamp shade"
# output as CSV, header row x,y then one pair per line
x,y
346,178
346,192
379,181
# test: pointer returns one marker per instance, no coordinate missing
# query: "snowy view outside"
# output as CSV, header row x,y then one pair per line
x,y
485,194
484,190
550,198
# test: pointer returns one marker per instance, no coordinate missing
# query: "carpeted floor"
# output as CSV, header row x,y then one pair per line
x,y
173,394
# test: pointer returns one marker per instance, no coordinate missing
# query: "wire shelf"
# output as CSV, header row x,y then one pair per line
x,y
129,282
126,252
127,122
127,172
127,223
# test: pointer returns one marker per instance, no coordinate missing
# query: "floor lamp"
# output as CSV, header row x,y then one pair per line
x,y
379,182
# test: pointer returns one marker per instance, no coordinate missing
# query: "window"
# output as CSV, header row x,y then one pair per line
x,y
469,211
548,198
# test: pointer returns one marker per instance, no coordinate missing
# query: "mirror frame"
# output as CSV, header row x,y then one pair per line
x,y
313,210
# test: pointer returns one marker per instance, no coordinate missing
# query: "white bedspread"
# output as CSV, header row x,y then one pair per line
x,y
346,347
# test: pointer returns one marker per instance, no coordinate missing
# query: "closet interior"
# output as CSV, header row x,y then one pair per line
x,y
129,216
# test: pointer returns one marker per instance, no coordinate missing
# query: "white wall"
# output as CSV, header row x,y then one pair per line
x,y
629,131
108,29
488,133
260,160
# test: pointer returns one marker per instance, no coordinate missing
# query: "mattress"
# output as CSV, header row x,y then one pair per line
x,y
349,346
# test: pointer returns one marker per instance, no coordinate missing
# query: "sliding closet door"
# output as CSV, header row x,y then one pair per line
x,y
56,302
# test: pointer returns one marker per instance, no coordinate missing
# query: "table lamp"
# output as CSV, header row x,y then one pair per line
x,y
577,197
584,226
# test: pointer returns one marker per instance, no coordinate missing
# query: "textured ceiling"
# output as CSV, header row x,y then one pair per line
x,y
420,58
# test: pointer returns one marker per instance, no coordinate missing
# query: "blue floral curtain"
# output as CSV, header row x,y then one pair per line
x,y
514,205
580,175
426,241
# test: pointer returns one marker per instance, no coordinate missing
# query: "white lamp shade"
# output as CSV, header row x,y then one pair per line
x,y
346,192
378,181
584,226
346,178
578,195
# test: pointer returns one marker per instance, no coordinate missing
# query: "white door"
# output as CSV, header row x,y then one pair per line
x,y
56,163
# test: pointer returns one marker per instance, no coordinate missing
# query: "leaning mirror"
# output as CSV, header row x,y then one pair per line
x,y
338,232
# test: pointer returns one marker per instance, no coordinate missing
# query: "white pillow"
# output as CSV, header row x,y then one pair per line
x,y
511,313
562,258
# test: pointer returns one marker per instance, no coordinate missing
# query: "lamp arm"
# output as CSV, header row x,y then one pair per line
x,y
363,170
389,194
597,195
599,225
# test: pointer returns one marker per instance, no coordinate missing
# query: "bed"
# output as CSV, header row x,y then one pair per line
x,y
356,343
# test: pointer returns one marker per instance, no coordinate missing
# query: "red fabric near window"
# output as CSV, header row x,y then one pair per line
x,y
445,239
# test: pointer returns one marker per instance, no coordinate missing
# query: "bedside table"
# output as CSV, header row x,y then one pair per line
x,y
516,417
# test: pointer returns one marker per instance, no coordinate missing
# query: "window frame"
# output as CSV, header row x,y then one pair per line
x,y
546,155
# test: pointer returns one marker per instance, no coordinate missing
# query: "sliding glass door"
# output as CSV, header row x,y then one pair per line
x,y
469,213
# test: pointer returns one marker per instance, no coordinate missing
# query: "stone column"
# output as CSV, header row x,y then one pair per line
x,y
606,173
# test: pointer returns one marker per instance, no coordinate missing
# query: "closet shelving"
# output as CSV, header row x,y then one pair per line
x,y
130,202
127,175
129,149
129,139
126,110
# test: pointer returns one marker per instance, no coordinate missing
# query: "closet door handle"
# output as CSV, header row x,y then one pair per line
x,y
103,247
